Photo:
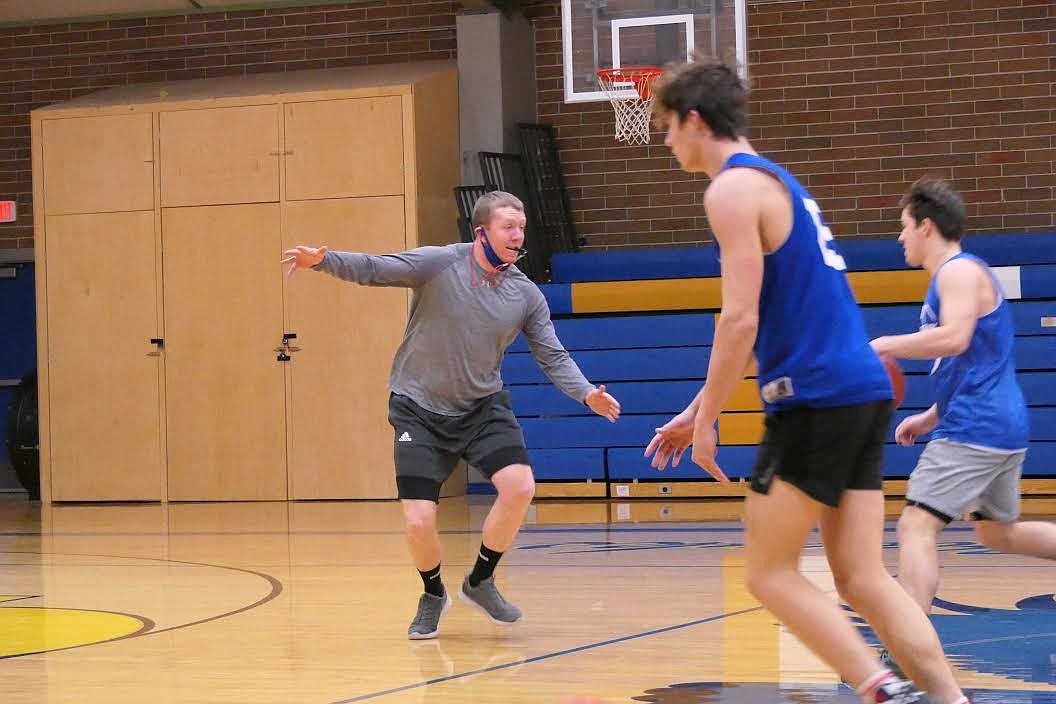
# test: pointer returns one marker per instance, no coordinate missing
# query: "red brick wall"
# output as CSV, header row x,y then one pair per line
x,y
858,99
46,64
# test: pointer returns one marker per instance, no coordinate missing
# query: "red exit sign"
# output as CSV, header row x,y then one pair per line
x,y
7,211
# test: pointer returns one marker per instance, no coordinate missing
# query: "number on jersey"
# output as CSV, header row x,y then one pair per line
x,y
831,256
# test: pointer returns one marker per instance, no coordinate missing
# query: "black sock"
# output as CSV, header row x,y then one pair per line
x,y
431,579
487,560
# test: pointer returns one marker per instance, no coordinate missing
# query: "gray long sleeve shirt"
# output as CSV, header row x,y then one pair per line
x,y
458,329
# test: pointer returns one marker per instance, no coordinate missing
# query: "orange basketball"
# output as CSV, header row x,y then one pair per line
x,y
898,379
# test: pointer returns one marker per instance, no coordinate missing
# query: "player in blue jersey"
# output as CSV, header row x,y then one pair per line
x,y
978,424
827,396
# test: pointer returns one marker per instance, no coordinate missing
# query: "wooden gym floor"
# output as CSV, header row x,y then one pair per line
x,y
309,602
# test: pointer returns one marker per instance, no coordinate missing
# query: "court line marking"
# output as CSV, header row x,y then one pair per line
x,y
547,656
621,639
533,531
276,590
145,624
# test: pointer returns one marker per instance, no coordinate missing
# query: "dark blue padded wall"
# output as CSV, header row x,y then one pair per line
x,y
18,337
860,254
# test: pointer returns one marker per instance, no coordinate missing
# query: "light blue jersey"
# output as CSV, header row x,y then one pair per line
x,y
812,347
980,402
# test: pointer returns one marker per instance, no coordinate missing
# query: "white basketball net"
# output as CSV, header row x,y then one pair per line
x,y
625,89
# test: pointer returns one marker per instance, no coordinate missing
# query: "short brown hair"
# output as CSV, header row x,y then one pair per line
x,y
709,86
938,201
491,201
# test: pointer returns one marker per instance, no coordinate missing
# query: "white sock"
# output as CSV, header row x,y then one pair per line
x,y
868,688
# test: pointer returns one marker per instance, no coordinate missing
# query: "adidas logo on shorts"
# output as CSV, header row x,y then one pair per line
x,y
406,437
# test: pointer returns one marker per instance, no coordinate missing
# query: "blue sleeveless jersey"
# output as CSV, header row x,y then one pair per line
x,y
979,400
812,348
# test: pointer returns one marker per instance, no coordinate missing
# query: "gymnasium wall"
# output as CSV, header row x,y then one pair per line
x,y
858,98
47,64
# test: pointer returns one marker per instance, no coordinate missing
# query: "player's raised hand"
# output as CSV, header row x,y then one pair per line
x,y
671,440
602,403
302,257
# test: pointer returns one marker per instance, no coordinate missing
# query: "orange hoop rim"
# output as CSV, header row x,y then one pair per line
x,y
641,76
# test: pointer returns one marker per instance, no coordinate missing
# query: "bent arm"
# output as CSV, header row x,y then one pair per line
x,y
958,285
551,355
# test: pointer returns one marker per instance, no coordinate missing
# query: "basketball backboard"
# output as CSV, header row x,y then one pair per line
x,y
599,34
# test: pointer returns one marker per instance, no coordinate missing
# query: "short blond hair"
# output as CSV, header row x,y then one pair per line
x,y
488,203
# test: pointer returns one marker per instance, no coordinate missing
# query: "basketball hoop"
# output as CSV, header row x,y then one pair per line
x,y
629,91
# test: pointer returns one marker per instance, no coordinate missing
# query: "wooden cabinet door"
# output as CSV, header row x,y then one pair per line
x,y
344,148
340,438
225,391
101,164
220,155
104,378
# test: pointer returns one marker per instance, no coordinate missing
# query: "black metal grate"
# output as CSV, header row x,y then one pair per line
x,y
465,198
542,169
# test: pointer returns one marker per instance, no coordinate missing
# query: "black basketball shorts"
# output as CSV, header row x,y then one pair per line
x,y
427,445
824,451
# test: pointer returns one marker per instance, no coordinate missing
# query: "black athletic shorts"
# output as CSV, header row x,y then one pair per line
x,y
427,445
824,451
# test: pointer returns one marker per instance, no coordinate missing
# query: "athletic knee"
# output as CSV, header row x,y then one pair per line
x,y
757,584
420,523
762,580
857,587
517,487
916,526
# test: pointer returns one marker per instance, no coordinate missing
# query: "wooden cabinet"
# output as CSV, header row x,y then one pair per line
x,y
225,409
345,135
348,337
220,155
103,371
99,164
161,214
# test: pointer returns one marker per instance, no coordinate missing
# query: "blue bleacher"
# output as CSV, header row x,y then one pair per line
x,y
860,254
609,366
637,397
637,430
654,363
560,463
629,464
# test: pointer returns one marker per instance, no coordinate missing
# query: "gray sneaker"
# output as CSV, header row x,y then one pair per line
x,y
485,596
426,623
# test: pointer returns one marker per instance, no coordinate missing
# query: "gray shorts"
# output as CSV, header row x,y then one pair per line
x,y
952,478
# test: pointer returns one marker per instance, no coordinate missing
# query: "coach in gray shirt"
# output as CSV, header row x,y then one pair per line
x,y
447,401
